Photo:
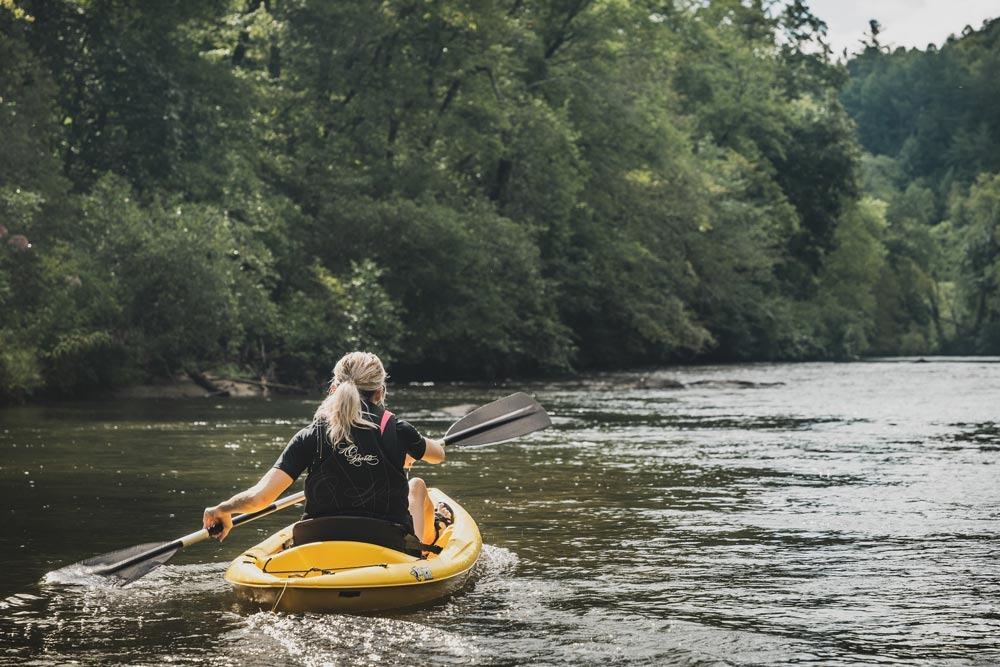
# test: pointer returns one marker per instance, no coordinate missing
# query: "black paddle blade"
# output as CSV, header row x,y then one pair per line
x,y
107,565
507,418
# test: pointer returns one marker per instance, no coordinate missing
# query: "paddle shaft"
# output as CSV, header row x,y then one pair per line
x,y
453,438
202,535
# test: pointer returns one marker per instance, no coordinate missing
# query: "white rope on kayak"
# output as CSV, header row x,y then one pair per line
x,y
280,595
302,574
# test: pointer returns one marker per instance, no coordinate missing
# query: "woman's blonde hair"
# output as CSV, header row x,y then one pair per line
x,y
356,372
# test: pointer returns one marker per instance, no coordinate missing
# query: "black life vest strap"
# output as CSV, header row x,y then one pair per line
x,y
414,543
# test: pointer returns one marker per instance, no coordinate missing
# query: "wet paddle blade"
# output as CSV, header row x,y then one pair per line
x,y
126,565
105,565
510,417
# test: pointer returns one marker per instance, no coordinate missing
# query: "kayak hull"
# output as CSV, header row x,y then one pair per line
x,y
353,576
347,600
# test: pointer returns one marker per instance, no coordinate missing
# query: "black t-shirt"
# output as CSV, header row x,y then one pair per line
x,y
365,477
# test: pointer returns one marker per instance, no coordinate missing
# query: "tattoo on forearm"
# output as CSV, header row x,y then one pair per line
x,y
240,501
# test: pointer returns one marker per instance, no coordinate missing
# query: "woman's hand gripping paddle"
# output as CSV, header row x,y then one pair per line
x,y
511,417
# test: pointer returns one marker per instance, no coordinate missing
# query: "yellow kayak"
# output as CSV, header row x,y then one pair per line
x,y
355,576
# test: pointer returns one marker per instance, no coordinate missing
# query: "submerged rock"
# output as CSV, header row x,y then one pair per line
x,y
646,382
459,410
740,384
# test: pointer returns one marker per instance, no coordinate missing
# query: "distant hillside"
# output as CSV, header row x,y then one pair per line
x,y
930,123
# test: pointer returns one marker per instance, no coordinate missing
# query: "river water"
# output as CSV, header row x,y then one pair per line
x,y
761,514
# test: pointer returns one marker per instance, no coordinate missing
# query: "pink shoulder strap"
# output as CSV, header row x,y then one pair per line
x,y
385,420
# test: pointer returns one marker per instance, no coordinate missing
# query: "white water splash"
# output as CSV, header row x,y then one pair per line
x,y
313,640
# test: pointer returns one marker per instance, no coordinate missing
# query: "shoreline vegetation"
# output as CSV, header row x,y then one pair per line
x,y
214,386
477,192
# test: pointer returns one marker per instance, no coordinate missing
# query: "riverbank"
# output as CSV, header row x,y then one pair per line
x,y
218,384
204,385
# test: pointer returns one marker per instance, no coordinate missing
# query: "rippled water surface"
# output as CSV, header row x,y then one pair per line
x,y
825,513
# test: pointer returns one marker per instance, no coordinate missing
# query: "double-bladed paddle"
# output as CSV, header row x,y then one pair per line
x,y
511,417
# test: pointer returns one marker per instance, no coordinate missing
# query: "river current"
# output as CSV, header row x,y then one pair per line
x,y
759,514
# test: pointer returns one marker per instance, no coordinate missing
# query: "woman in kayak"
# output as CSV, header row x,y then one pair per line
x,y
356,453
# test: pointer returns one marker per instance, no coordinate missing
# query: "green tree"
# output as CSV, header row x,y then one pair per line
x,y
976,218
846,306
34,198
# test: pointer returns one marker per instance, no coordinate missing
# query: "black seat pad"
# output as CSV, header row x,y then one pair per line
x,y
383,533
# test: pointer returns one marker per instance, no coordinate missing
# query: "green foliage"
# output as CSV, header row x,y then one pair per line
x,y
136,97
846,305
735,252
976,218
928,108
778,107
19,372
470,284
173,269
331,315
479,189
923,114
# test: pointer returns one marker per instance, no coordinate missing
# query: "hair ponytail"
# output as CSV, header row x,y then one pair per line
x,y
342,409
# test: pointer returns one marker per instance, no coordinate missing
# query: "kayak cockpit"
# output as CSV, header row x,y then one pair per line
x,y
330,557
309,553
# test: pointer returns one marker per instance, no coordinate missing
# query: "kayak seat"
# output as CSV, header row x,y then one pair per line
x,y
388,534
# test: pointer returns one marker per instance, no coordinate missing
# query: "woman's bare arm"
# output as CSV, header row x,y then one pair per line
x,y
434,453
258,496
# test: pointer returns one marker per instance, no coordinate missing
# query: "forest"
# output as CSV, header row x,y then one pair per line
x,y
480,190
